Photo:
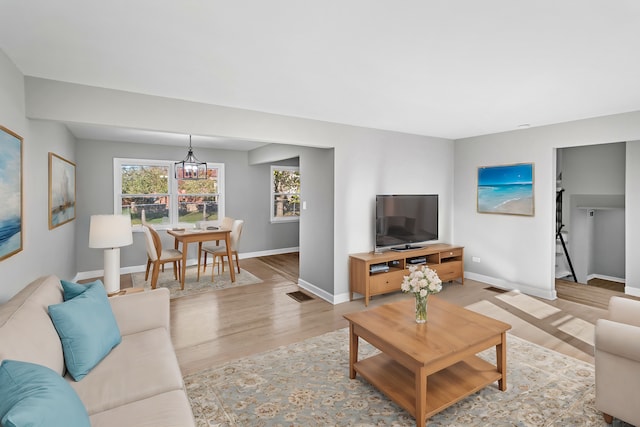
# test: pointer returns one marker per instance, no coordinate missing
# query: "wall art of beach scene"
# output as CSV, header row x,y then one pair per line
x,y
10,193
506,189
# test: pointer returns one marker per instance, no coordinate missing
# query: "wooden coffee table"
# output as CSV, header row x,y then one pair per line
x,y
426,368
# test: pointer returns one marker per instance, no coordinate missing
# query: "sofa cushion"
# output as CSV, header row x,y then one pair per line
x,y
171,409
70,290
87,329
26,330
34,395
143,365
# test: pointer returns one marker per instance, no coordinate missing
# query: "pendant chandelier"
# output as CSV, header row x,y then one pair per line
x,y
191,168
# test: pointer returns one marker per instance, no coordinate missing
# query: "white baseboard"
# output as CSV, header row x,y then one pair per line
x,y
320,293
83,275
269,252
634,292
603,277
549,294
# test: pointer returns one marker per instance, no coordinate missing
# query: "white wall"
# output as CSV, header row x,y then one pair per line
x,y
366,161
518,252
44,251
632,223
385,164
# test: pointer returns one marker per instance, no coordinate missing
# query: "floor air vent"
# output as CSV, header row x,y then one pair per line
x,y
299,296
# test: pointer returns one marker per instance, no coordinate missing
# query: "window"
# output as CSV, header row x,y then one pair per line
x,y
151,185
285,193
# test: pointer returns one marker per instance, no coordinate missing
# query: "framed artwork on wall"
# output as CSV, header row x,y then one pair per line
x,y
62,191
506,189
10,193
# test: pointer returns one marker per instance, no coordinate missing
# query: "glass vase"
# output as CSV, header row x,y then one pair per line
x,y
421,308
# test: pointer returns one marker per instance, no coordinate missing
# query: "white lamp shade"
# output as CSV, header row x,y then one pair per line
x,y
110,231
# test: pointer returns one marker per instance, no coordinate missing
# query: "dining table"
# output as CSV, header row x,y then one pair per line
x,y
197,235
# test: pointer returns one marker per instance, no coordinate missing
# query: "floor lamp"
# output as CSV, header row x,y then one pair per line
x,y
110,232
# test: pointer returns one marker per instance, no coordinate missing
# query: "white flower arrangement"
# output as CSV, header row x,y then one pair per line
x,y
421,281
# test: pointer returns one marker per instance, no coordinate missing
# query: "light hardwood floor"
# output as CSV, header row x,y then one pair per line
x,y
212,328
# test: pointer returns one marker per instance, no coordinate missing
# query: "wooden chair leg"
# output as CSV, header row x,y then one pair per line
x,y
146,274
238,263
607,418
204,267
155,274
175,270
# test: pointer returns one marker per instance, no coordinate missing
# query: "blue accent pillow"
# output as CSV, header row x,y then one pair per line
x,y
87,329
72,289
34,395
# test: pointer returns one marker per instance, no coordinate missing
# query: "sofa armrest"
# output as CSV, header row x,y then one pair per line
x,y
624,310
141,311
618,338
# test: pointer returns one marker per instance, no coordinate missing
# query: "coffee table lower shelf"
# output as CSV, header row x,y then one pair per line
x,y
444,388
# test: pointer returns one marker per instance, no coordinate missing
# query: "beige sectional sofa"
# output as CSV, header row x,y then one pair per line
x,y
138,383
617,360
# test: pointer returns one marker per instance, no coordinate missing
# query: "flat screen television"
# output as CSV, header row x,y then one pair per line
x,y
405,220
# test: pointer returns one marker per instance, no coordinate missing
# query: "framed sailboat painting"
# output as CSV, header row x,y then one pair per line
x,y
11,223
62,191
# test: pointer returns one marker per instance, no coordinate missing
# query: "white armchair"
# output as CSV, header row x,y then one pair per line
x,y
617,360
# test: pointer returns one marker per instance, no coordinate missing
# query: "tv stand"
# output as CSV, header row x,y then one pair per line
x,y
381,273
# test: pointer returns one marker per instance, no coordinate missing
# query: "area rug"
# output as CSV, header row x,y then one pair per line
x,y
307,384
191,285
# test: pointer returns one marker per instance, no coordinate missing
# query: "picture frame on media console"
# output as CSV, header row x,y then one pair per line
x,y
506,189
11,218
62,191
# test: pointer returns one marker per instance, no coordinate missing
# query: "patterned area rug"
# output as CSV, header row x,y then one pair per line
x,y
307,384
191,285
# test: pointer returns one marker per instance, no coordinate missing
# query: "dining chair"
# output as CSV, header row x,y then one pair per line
x,y
225,224
157,256
220,252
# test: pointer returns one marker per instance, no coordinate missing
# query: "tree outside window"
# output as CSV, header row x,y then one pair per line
x,y
150,185
285,193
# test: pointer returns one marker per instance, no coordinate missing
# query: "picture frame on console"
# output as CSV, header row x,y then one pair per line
x,y
11,218
506,189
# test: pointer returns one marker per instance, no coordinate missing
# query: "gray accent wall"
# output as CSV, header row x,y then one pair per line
x,y
592,170
44,251
632,213
593,209
246,197
316,217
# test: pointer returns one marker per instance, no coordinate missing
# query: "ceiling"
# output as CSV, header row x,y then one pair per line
x,y
444,68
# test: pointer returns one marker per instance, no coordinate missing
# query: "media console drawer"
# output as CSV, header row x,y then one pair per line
x,y
448,271
386,282
451,254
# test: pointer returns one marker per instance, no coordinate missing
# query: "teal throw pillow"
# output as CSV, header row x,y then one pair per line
x,y
72,289
87,329
34,395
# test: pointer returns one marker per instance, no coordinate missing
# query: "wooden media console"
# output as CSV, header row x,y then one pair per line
x,y
380,273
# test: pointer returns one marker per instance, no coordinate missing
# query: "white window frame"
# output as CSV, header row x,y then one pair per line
x,y
173,188
275,219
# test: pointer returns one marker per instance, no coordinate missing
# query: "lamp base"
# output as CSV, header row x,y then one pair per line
x,y
112,270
